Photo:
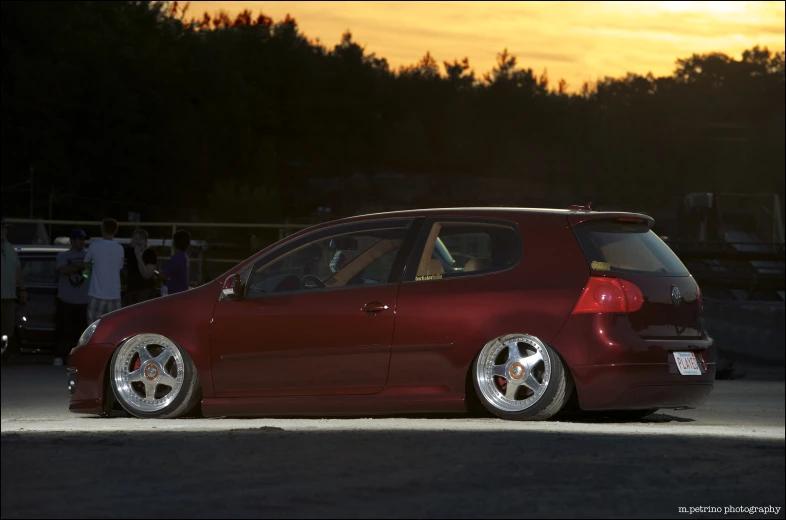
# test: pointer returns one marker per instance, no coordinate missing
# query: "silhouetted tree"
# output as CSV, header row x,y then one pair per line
x,y
126,106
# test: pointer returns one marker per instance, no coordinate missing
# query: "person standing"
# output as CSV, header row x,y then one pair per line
x,y
141,263
104,259
12,276
175,272
71,296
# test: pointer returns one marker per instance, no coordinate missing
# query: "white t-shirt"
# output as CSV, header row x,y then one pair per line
x,y
108,257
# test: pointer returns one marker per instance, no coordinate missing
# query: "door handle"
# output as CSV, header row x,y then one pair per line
x,y
373,307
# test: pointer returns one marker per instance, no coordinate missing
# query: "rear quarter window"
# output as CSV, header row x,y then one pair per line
x,y
454,249
627,248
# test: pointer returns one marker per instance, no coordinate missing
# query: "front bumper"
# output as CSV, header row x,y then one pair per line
x,y
73,377
88,365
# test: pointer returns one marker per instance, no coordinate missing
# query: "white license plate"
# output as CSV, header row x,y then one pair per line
x,y
687,363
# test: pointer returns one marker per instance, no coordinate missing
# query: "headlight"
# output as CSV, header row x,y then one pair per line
x,y
87,334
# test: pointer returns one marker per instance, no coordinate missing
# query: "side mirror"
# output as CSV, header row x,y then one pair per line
x,y
237,287
233,288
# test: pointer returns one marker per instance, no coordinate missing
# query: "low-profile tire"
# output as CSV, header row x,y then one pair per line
x,y
519,377
151,376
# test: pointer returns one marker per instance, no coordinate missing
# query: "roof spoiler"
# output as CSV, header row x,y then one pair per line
x,y
586,207
631,218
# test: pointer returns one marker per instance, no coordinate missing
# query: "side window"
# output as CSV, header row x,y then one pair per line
x,y
39,270
455,249
358,258
378,272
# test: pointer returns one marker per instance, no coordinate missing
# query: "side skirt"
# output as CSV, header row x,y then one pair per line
x,y
339,405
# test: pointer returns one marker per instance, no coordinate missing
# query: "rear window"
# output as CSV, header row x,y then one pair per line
x,y
39,270
627,248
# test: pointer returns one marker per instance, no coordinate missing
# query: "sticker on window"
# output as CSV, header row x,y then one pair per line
x,y
428,277
600,266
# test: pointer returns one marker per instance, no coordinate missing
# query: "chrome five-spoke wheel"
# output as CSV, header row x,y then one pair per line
x,y
519,377
152,376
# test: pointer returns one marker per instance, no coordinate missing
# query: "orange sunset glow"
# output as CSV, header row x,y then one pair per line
x,y
578,41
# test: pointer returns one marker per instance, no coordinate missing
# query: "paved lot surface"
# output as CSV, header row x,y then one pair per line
x,y
730,452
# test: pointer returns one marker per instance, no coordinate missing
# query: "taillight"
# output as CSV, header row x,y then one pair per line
x,y
609,295
702,357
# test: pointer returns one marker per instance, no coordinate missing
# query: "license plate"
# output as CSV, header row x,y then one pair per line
x,y
687,363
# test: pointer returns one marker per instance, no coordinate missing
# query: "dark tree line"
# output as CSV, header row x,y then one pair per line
x,y
139,106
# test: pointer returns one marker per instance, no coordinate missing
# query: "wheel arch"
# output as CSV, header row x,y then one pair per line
x,y
110,402
472,400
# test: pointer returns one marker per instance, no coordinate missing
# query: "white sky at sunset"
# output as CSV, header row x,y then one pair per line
x,y
579,41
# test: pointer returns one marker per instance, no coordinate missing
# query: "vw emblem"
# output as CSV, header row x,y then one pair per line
x,y
151,372
675,294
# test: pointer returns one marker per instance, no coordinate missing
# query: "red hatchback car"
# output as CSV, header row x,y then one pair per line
x,y
417,311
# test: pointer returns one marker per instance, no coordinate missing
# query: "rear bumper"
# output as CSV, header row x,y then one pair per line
x,y
614,369
635,387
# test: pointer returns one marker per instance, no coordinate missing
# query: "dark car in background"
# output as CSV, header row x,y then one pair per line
x,y
36,320
35,328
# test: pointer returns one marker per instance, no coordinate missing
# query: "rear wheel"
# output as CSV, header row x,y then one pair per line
x,y
519,377
151,376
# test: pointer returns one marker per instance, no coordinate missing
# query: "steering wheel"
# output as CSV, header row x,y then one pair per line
x,y
311,278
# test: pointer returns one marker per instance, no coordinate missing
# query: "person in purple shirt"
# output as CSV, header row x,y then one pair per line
x,y
174,274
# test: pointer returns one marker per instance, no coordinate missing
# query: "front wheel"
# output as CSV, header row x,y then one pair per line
x,y
521,378
154,377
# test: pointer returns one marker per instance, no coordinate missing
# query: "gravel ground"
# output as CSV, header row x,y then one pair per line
x,y
729,452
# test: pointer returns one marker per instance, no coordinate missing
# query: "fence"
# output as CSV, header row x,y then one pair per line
x,y
743,266
226,243
282,228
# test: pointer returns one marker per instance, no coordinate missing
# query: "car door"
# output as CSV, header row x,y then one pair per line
x,y
316,317
457,282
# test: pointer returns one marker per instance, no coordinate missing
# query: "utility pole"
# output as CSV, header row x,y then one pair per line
x,y
51,198
31,191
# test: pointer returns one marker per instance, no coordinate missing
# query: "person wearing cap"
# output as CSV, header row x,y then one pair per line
x,y
71,296
12,276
